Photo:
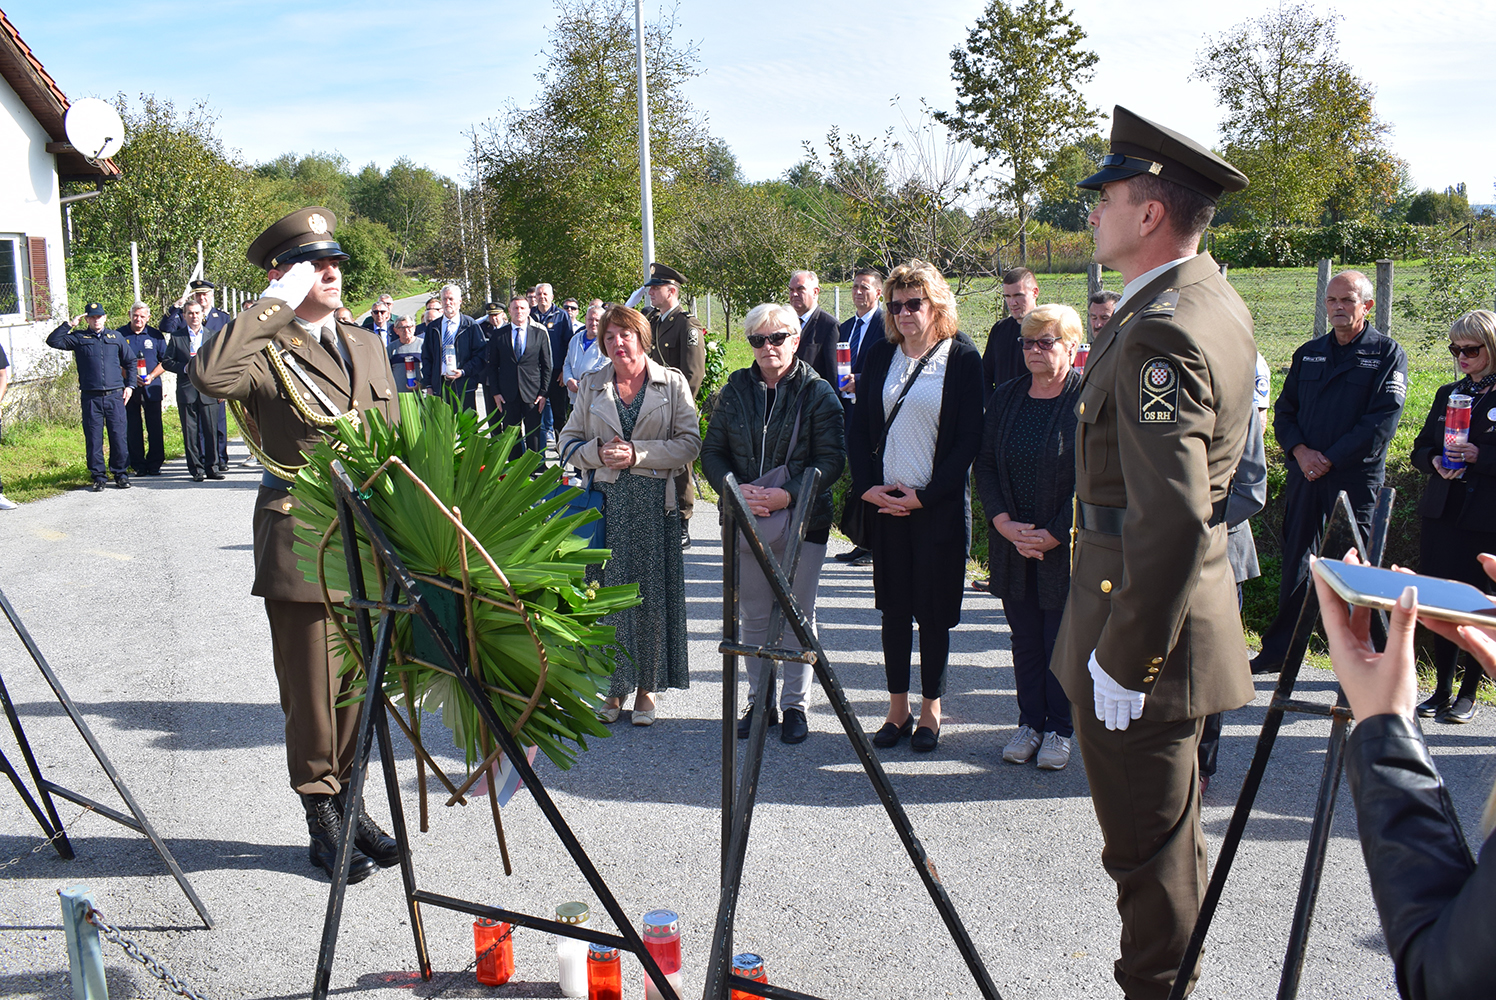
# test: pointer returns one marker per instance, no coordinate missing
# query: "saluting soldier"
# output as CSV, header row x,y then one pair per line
x,y
295,370
106,366
679,343
1151,642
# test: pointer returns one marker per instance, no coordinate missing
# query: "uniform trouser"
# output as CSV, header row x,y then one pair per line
x,y
104,410
685,493
222,432
320,737
1306,510
199,433
755,602
1145,789
143,424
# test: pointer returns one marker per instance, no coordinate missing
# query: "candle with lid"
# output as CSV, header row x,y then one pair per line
x,y
750,967
494,942
662,940
571,953
1456,428
604,973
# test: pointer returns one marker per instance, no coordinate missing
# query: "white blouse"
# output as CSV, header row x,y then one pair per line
x,y
909,450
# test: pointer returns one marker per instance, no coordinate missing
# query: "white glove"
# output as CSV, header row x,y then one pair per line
x,y
293,286
1116,705
633,300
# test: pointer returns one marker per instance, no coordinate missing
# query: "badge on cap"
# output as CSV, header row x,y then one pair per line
x,y
316,224
1158,401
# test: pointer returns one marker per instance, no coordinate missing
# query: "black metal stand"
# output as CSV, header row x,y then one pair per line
x,y
50,823
1341,533
353,513
738,799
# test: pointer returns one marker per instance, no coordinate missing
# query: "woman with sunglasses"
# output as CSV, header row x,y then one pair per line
x,y
915,429
1025,474
776,413
1459,505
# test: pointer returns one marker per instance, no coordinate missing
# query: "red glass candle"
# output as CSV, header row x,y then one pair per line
x,y
410,371
1456,428
843,362
140,368
662,940
1082,354
494,943
750,967
604,973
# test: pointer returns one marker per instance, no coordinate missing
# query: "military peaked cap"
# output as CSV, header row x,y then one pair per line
x,y
1143,147
303,235
202,285
660,274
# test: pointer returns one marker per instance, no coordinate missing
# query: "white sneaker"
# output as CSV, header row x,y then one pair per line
x,y
1055,753
6,503
1022,746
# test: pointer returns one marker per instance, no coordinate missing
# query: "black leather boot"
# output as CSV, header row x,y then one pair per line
x,y
381,848
324,821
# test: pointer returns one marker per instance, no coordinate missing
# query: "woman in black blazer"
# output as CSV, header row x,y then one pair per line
x,y
912,475
1459,507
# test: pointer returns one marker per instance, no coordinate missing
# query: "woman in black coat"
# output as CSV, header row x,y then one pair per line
x,y
1025,474
911,475
1459,506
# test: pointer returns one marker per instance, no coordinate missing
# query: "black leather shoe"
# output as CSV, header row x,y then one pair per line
x,y
97,487
325,824
215,474
1436,703
981,586
1263,663
197,477
795,729
924,739
1461,712
122,481
380,847
890,734
866,559
685,534
745,724
852,555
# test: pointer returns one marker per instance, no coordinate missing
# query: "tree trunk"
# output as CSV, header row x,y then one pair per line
x,y
1022,233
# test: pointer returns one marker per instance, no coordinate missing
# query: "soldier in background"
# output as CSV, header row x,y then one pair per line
x,y
679,343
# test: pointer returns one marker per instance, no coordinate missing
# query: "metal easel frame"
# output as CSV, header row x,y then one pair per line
x,y
375,645
738,798
50,823
1341,532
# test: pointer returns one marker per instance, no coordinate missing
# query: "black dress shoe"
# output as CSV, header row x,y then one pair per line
x,y
890,734
122,481
97,487
1436,703
795,729
685,534
866,559
379,846
1263,663
215,474
924,739
197,477
325,824
851,556
1461,712
745,724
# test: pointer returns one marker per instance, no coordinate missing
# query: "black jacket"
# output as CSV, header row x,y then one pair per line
x,y
1479,482
1054,488
818,336
872,333
1433,899
472,352
747,439
519,380
105,359
1002,358
1349,412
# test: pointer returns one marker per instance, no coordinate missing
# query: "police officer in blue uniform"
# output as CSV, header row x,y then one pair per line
x,y
105,362
143,411
201,291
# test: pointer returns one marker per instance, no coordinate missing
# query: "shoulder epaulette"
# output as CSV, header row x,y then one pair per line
x,y
1163,304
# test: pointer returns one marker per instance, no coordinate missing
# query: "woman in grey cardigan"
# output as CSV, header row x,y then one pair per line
x,y
1025,475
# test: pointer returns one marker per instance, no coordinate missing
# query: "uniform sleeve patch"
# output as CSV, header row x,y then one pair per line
x,y
693,338
1158,400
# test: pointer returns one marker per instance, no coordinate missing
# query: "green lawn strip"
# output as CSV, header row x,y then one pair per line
x,y
41,460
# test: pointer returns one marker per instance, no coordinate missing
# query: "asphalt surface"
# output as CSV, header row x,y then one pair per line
x,y
140,601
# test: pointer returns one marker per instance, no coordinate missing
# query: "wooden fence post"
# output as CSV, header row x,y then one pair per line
x,y
1093,279
1048,256
1384,296
1321,319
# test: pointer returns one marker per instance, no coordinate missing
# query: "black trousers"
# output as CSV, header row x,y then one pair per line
x,y
529,418
559,401
143,429
104,410
919,573
222,432
1042,705
1447,550
199,433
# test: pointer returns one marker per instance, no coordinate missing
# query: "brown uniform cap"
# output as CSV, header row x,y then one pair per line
x,y
303,235
1143,147
661,274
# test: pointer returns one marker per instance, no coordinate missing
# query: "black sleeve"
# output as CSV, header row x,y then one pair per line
x,y
984,468
823,423
1430,440
948,477
547,364
867,409
171,360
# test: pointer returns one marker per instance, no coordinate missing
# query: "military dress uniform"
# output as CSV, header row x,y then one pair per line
x,y
143,411
104,359
1162,419
679,343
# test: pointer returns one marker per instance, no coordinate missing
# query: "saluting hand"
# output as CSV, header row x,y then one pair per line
x,y
293,286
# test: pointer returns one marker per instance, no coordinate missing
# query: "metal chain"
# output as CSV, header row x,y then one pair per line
x,y
48,842
134,950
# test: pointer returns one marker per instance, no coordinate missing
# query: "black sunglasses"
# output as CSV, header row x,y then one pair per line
x,y
913,305
1466,351
757,340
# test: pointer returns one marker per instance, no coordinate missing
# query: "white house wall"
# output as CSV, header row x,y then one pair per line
x,y
29,191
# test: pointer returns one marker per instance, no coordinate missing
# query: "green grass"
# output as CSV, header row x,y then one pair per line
x,y
40,460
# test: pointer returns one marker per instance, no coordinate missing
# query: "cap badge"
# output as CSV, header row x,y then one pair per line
x,y
316,223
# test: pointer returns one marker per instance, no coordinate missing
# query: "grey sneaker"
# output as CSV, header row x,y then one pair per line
x,y
1055,753
6,503
1022,746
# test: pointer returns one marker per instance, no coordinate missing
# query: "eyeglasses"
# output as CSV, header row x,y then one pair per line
x,y
1045,344
1466,350
912,305
757,340
380,312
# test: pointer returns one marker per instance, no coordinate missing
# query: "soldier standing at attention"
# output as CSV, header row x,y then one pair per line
x,y
679,343
1151,641
106,365
294,369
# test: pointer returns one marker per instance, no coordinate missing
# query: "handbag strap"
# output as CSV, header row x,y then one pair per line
x,y
899,403
566,457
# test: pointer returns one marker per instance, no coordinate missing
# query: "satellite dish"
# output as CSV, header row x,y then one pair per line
x,y
94,128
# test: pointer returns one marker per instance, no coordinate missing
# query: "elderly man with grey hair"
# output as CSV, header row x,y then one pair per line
x,y
819,330
1335,418
453,353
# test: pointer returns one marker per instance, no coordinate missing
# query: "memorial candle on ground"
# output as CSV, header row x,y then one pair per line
x,y
662,941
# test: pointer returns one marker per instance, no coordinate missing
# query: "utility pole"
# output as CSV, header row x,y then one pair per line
x,y
646,200
467,280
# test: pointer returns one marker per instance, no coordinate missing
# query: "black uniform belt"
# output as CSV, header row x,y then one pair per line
x,y
271,481
1108,520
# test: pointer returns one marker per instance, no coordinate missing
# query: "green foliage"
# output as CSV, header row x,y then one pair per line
x,y
293,182
1066,206
506,511
1434,208
408,200
369,246
1349,242
1459,279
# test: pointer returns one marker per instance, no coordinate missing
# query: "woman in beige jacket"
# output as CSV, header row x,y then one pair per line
x,y
634,425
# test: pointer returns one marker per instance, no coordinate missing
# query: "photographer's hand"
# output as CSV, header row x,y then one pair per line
x,y
1384,683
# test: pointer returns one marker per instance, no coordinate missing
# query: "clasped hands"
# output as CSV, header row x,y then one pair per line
x,y
617,453
764,500
897,500
1031,542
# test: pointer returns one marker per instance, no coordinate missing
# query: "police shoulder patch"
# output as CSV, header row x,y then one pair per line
x,y
1158,396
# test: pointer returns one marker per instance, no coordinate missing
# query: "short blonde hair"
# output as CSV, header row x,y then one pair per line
x,y
1054,316
1478,324
629,319
936,291
770,313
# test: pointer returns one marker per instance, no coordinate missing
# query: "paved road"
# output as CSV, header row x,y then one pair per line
x,y
140,601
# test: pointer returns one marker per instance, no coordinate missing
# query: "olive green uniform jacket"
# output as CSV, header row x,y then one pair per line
x,y
679,343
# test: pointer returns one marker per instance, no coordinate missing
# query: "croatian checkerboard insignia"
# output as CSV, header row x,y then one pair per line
x,y
1158,401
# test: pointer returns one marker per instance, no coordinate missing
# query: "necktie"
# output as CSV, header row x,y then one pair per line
x,y
856,338
330,341
519,342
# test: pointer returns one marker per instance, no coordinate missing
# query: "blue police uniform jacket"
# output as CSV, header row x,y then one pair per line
x,y
1349,412
149,344
101,357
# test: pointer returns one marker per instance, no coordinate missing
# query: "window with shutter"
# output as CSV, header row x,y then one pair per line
x,y
41,286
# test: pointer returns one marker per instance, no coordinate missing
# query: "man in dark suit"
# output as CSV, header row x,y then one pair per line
x,y
143,408
380,322
1151,642
818,328
1002,360
453,353
201,291
861,330
519,370
558,325
199,413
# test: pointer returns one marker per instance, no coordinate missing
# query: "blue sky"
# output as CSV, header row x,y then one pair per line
x,y
375,80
